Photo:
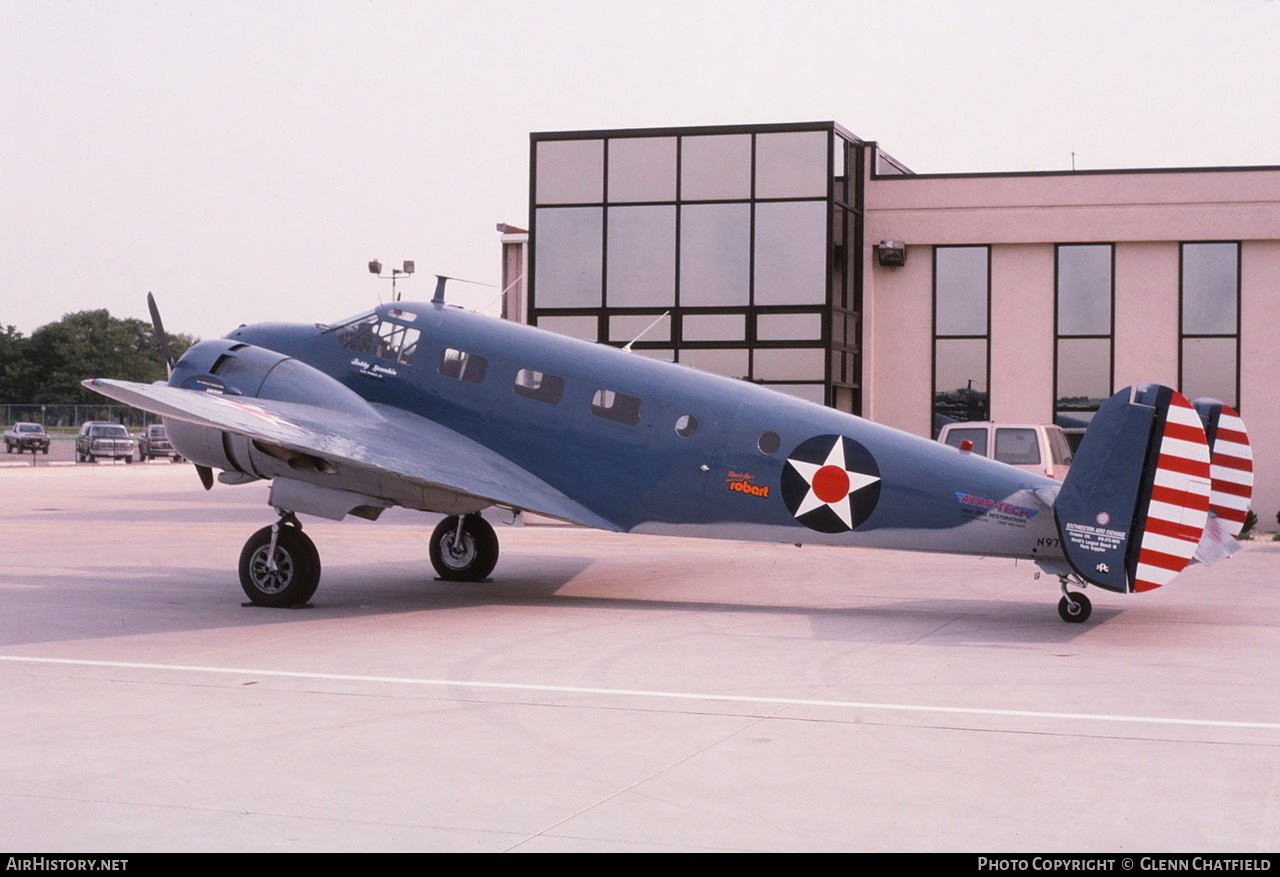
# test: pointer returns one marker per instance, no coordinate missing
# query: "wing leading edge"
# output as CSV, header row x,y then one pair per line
x,y
388,444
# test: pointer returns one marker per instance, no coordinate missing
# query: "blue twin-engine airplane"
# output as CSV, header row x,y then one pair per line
x,y
432,407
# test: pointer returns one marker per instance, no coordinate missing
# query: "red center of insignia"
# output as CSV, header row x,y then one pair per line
x,y
831,484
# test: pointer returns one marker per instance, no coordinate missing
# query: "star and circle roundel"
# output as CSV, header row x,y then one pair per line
x,y
830,483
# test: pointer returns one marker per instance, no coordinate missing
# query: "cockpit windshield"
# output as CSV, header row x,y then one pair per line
x,y
385,339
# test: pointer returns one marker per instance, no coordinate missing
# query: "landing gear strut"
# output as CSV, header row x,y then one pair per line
x,y
279,565
464,548
1073,608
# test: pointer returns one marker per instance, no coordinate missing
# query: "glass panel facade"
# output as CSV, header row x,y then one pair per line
x,y
959,380
641,269
570,171
1210,288
1209,368
736,231
714,327
960,290
1210,360
569,260
716,167
623,329
1085,291
734,362
715,255
789,363
789,327
1084,380
642,169
791,164
791,248
961,310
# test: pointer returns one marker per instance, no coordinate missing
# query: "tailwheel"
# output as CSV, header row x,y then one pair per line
x,y
1073,608
464,548
279,565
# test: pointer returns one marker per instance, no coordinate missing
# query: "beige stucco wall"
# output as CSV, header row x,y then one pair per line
x,y
1022,217
1260,356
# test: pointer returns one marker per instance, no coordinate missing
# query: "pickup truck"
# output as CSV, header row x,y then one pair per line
x,y
26,437
1036,447
98,438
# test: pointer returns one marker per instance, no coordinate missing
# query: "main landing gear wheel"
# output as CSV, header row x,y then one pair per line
x,y
464,549
287,578
1074,608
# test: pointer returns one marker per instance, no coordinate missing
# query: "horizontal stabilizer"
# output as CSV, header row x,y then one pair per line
x,y
1135,504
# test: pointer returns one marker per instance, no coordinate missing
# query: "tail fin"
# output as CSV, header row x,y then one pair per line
x,y
1133,508
1231,464
1231,474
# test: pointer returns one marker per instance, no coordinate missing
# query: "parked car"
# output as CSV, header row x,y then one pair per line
x,y
154,442
1037,447
26,437
98,439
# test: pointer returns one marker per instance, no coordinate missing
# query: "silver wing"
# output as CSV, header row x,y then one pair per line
x,y
390,454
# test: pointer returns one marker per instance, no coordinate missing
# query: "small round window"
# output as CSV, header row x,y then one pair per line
x,y
686,425
769,442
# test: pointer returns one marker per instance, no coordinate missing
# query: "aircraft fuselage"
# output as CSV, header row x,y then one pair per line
x,y
655,447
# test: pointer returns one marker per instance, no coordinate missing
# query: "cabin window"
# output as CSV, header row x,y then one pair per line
x,y
616,407
463,366
769,442
686,425
538,385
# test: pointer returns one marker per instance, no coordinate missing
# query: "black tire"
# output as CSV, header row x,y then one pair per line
x,y
297,573
1075,610
472,558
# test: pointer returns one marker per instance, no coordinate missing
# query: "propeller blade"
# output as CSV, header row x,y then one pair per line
x,y
206,476
162,339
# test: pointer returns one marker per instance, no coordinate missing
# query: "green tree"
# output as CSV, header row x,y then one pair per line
x,y
12,364
91,344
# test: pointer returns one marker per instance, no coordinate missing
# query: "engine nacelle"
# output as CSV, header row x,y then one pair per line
x,y
234,368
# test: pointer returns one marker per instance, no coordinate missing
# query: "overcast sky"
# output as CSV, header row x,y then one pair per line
x,y
244,159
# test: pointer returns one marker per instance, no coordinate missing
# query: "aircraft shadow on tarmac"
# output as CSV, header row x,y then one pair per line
x,y
113,601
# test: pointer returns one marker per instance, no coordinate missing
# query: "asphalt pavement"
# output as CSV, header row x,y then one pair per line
x,y
605,692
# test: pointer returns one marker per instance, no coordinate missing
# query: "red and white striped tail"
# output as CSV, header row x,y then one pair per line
x,y
1231,467
1178,504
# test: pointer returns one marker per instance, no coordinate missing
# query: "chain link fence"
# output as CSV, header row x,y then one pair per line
x,y
71,416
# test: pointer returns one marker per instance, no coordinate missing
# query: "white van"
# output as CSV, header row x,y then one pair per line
x,y
1036,447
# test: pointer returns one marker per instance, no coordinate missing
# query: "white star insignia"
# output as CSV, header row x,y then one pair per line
x,y
831,483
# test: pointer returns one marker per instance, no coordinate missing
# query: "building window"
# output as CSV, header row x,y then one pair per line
x,y
961,334
1085,292
1210,361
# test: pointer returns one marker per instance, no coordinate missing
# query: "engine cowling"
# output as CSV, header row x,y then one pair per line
x,y
238,369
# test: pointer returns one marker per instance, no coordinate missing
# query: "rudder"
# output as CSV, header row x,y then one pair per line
x,y
1133,508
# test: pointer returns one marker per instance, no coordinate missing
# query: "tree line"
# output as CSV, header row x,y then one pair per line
x,y
48,367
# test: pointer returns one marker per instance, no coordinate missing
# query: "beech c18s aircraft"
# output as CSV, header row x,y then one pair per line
x,y
432,407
